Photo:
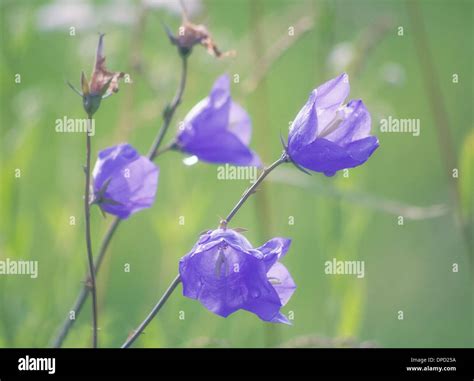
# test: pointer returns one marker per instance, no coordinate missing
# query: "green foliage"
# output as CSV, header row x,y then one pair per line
x,y
408,267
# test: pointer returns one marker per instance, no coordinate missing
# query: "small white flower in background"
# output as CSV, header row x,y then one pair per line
x,y
193,7
393,73
83,14
341,56
64,14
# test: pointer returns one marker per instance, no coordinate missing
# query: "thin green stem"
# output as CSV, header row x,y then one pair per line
x,y
91,281
169,147
170,109
154,152
84,293
153,312
266,171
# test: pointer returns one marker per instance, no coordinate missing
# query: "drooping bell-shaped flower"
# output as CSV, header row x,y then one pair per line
x,y
124,182
218,130
326,135
226,274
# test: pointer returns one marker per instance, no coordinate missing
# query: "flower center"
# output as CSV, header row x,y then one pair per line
x,y
334,123
220,262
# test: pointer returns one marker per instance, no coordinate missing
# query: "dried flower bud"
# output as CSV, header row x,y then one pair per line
x,y
190,34
102,84
103,81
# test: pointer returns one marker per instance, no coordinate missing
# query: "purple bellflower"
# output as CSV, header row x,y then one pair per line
x,y
226,274
124,182
218,130
327,136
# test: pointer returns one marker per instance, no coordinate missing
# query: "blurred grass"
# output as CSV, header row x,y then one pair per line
x,y
408,267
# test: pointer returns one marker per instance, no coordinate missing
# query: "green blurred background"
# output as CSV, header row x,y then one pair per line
x,y
408,268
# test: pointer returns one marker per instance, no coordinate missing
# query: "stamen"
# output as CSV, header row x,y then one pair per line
x,y
274,280
334,124
221,260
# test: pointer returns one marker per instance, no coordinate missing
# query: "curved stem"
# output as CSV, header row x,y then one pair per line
x,y
153,312
283,159
91,280
169,147
170,109
153,153
266,171
84,293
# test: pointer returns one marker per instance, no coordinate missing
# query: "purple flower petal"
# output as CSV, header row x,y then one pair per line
x,y
304,127
274,249
355,125
220,92
361,150
239,123
225,280
223,148
325,156
209,116
262,300
282,282
111,160
333,92
326,136
226,274
130,181
217,130
280,318
318,111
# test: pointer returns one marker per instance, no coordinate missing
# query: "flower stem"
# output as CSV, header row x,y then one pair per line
x,y
154,152
170,109
91,280
266,171
153,312
169,147
84,293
